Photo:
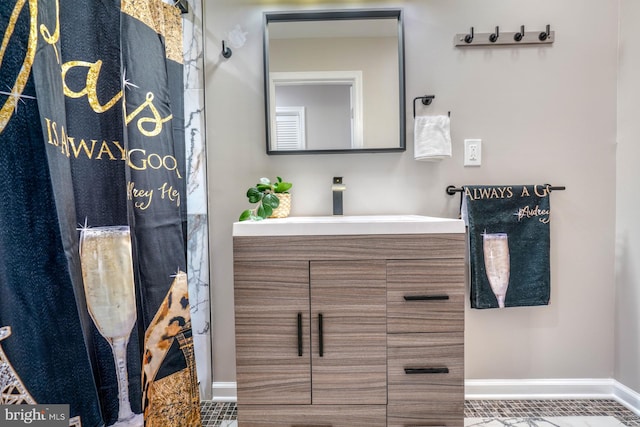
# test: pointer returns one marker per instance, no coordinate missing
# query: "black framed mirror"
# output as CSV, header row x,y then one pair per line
x,y
334,81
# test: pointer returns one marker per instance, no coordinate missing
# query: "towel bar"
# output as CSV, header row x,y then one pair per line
x,y
452,189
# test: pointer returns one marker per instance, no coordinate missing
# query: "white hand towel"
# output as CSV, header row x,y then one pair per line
x,y
431,138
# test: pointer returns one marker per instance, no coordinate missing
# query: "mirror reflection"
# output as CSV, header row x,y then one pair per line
x,y
334,81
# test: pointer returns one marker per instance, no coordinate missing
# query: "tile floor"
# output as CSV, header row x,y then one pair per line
x,y
214,414
550,408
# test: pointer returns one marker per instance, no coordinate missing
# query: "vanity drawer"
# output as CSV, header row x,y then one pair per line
x,y
425,379
425,295
423,363
312,416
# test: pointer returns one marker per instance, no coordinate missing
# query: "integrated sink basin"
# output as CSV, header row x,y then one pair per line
x,y
345,225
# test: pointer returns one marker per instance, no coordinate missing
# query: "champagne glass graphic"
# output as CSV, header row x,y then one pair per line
x,y
107,273
496,262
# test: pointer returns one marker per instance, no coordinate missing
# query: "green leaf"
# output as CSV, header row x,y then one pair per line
x,y
245,215
263,187
254,195
282,187
270,200
268,210
279,179
260,212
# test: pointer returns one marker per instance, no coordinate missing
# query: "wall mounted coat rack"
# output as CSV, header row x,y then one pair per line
x,y
500,38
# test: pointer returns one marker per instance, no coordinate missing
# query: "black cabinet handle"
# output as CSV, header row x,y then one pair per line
x,y
299,334
320,338
426,297
411,371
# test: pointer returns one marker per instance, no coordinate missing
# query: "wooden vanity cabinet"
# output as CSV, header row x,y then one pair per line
x,y
324,334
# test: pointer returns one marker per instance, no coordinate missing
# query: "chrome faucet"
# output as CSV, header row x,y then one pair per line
x,y
337,187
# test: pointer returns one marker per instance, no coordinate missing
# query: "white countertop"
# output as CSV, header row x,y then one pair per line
x,y
345,225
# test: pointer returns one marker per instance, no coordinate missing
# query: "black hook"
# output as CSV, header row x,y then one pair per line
x,y
494,37
518,36
469,37
545,34
226,51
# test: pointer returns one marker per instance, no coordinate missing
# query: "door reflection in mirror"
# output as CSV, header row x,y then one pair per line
x,y
325,107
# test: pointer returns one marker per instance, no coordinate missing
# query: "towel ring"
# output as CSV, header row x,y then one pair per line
x,y
426,100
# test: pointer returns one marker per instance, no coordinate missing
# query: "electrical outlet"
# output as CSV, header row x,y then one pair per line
x,y
472,152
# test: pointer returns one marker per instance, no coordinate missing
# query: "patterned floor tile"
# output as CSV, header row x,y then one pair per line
x,y
221,414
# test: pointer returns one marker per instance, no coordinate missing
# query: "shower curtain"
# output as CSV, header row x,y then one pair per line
x,y
94,309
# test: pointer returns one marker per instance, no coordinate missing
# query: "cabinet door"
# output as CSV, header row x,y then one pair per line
x,y
348,332
272,332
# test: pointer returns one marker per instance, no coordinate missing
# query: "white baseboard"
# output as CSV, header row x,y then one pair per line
x,y
224,392
563,388
626,396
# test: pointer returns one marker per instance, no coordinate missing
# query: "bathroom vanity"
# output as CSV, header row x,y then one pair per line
x,y
350,321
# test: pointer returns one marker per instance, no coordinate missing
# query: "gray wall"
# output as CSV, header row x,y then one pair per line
x,y
627,220
545,115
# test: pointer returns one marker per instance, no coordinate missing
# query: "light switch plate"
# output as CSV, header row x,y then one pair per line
x,y
472,152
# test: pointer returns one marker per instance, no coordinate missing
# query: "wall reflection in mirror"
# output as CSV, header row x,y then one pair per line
x,y
334,81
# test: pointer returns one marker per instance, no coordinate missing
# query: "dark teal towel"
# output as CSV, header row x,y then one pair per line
x,y
508,244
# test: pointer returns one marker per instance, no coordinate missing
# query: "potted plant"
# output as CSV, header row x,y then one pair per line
x,y
273,200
